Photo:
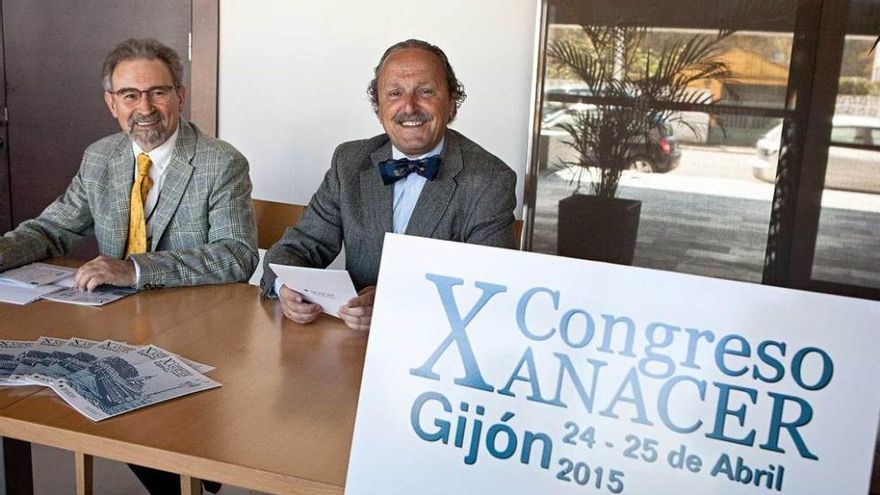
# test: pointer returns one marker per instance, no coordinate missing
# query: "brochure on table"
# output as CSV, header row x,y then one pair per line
x,y
101,379
29,283
35,274
498,371
26,284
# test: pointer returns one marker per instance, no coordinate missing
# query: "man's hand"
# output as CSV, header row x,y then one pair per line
x,y
358,313
105,270
296,308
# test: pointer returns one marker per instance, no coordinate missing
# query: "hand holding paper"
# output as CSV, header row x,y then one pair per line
x,y
329,289
358,312
296,308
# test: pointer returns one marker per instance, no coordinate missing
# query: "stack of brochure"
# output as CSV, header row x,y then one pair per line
x,y
101,379
28,283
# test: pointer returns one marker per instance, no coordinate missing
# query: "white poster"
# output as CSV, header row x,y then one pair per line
x,y
498,371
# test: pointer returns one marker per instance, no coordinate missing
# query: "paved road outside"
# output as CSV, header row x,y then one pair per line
x,y
710,217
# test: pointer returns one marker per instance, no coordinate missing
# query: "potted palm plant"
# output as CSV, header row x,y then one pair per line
x,y
632,93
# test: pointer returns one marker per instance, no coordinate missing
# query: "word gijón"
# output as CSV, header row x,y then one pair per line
x,y
501,441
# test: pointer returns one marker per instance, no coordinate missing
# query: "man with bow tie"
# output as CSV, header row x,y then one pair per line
x,y
418,178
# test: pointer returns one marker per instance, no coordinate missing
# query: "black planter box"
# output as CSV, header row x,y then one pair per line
x,y
599,229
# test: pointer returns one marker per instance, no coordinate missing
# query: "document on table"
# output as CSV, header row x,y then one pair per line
x,y
44,353
10,350
102,379
71,356
16,294
28,283
35,274
102,295
329,288
122,383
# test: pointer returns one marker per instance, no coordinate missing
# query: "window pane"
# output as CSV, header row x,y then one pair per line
x,y
846,135
705,182
849,223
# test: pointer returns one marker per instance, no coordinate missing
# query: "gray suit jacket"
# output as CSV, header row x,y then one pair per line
x,y
471,200
204,230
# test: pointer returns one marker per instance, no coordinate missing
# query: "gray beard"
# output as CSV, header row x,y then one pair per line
x,y
149,139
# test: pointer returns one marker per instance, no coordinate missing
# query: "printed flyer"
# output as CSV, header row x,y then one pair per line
x,y
497,371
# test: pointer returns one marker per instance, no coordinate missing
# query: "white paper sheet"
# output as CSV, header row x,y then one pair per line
x,y
66,282
35,274
329,288
16,294
100,296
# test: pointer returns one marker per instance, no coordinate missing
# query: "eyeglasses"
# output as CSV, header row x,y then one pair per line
x,y
132,96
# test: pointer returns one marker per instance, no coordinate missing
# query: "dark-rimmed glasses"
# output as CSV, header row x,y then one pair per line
x,y
132,96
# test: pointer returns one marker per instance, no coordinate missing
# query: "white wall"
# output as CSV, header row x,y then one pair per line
x,y
293,75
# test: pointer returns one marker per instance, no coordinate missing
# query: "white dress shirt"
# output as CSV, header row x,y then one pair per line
x,y
408,189
161,157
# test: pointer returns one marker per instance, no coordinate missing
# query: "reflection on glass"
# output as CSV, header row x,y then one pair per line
x,y
705,210
849,223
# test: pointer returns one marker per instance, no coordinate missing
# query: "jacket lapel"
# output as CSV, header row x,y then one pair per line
x,y
376,196
176,178
121,172
437,193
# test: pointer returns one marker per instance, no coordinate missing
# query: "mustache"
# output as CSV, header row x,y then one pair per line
x,y
417,116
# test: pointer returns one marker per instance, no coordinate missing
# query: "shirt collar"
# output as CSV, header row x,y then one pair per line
x,y
160,154
397,154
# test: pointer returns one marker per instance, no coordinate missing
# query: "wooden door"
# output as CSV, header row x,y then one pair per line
x,y
5,203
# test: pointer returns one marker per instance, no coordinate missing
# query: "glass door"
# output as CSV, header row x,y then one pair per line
x,y
848,236
768,173
705,195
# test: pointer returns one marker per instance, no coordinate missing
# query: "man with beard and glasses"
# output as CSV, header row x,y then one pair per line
x,y
168,205
418,178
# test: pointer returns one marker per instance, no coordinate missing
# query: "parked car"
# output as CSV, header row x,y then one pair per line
x,y
557,99
660,153
848,168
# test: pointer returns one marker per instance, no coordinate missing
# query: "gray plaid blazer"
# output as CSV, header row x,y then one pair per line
x,y
471,200
204,230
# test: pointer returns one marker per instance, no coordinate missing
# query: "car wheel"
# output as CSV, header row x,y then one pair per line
x,y
642,164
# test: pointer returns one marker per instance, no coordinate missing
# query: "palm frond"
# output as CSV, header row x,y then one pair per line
x,y
631,92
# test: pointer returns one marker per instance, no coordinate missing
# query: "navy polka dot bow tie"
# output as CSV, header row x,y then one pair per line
x,y
394,170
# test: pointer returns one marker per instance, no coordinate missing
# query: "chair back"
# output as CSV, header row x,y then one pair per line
x,y
517,233
273,218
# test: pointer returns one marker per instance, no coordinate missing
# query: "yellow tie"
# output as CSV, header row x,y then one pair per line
x,y
137,227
